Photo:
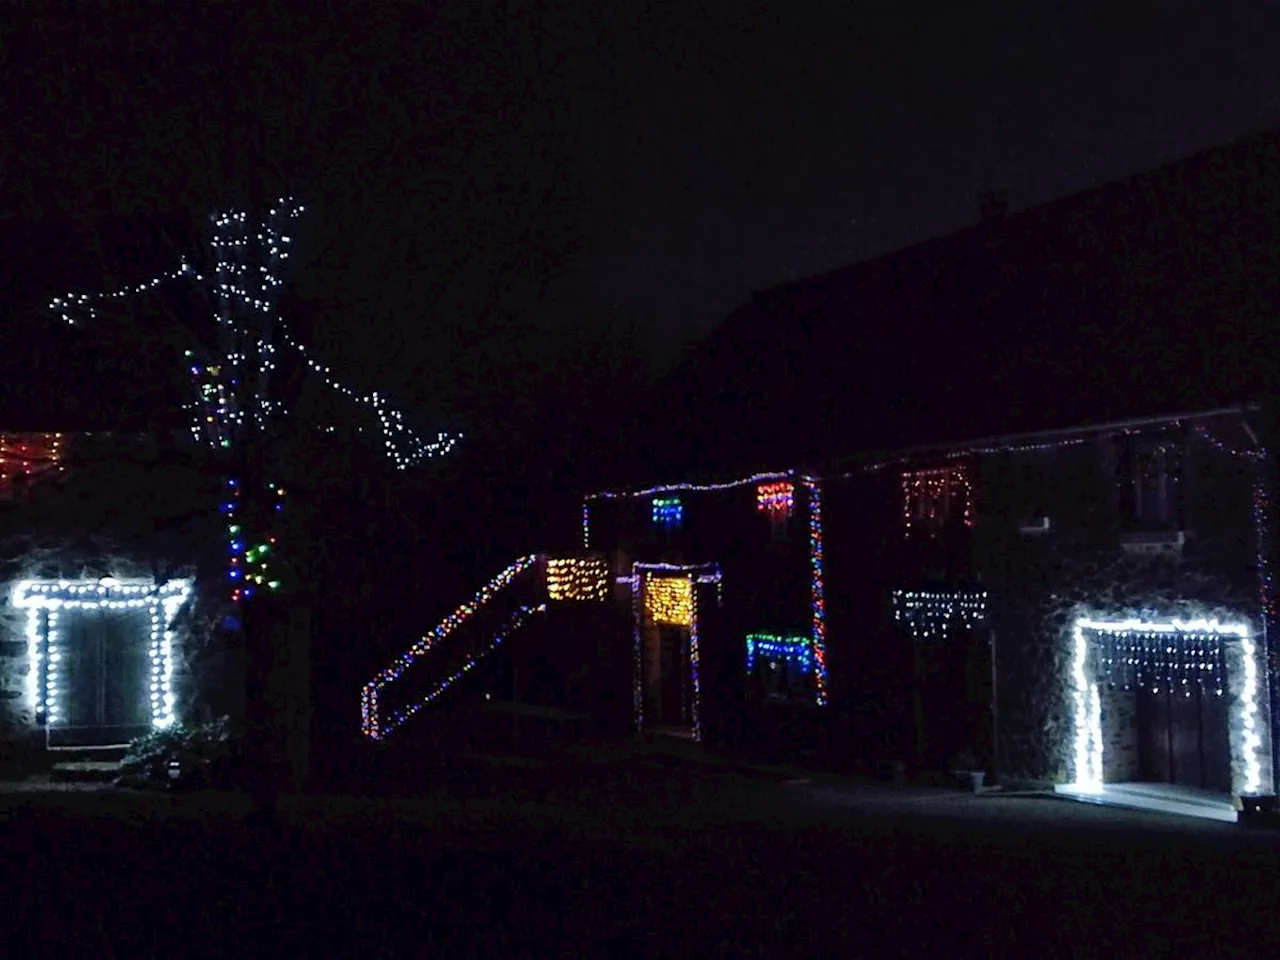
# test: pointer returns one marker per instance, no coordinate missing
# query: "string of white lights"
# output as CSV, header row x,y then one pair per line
x,y
252,287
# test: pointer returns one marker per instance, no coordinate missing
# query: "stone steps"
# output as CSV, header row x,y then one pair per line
x,y
86,765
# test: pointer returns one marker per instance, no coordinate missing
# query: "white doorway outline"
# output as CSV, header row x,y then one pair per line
x,y
1087,753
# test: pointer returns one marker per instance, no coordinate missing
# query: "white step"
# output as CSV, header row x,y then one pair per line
x,y
1157,799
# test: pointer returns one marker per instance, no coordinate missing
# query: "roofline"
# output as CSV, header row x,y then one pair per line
x,y
1042,436
885,457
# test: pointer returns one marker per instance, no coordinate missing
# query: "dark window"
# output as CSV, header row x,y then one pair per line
x,y
1149,480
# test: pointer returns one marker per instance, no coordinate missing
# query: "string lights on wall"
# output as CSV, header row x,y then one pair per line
x,y
817,590
669,600
932,615
664,593
928,496
1168,655
776,500
27,457
584,578
779,649
668,512
57,599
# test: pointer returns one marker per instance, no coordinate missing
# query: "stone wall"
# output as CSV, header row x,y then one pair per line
x,y
15,713
1041,583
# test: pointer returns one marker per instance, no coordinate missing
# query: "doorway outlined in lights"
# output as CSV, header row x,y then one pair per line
x,y
666,595
1245,726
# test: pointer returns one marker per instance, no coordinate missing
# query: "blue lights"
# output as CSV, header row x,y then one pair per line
x,y
668,512
788,650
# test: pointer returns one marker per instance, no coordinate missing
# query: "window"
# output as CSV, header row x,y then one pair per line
x,y
1149,479
931,498
780,667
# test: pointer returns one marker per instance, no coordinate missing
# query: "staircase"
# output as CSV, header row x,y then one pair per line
x,y
445,661
93,765
454,648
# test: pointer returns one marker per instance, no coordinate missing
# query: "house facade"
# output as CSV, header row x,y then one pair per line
x,y
97,599
725,582
1098,602
1090,606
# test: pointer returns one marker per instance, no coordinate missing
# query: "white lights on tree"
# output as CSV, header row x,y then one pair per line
x,y
54,599
1086,702
239,284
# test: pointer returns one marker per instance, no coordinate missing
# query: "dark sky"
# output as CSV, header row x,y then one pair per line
x,y
497,184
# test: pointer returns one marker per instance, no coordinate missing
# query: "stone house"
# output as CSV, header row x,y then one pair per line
x,y
1089,605
101,622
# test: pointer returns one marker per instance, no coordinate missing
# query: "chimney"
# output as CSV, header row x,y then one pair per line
x,y
993,205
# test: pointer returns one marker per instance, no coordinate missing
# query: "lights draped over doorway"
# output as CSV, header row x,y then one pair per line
x,y
48,600
1087,752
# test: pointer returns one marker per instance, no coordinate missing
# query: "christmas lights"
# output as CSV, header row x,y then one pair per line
x,y
242,285
690,487
248,567
776,499
1262,520
934,614
53,598
586,578
779,649
637,648
1139,647
29,456
1257,454
586,525
669,600
668,512
817,594
370,724
517,620
927,496
678,580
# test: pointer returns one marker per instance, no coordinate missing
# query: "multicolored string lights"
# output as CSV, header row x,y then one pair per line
x,y
668,512
376,728
514,623
927,497
666,593
817,590
777,499
28,457
779,649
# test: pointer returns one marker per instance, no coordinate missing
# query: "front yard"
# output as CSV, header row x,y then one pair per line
x,y
625,856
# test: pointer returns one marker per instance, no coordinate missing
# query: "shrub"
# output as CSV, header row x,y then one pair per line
x,y
206,754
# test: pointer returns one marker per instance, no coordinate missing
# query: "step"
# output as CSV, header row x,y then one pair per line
x,y
1136,799
84,771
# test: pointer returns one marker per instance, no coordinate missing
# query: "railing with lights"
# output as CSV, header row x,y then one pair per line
x,y
445,655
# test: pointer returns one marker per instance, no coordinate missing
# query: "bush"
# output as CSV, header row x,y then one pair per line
x,y
206,755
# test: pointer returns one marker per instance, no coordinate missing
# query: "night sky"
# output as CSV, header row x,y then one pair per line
x,y
528,199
